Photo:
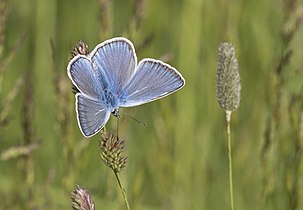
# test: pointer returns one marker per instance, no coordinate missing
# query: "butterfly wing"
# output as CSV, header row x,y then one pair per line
x,y
152,80
116,59
92,115
81,73
92,112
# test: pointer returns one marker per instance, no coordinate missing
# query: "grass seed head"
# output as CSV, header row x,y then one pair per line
x,y
228,78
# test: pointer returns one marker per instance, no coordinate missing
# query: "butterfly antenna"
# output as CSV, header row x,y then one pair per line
x,y
131,117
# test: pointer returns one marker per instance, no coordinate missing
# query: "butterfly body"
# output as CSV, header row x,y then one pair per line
x,y
109,78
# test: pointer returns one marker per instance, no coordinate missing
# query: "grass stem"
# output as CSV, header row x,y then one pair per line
x,y
230,169
122,189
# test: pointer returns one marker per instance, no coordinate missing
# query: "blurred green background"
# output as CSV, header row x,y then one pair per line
x,y
179,160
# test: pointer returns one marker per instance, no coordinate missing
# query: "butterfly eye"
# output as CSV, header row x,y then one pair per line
x,y
115,113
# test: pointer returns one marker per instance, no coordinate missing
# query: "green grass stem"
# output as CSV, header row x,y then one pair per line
x,y
122,189
230,168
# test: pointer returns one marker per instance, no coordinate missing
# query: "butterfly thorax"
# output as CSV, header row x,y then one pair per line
x,y
111,100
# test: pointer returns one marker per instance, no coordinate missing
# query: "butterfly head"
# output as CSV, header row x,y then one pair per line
x,y
116,112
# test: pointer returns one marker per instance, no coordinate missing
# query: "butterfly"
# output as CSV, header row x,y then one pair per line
x,y
109,78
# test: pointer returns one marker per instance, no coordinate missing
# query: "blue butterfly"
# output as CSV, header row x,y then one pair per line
x,y
109,77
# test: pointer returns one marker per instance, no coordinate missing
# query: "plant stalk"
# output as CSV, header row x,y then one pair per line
x,y
230,169
122,189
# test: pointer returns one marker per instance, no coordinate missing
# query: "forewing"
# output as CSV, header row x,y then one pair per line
x,y
92,115
152,80
116,59
80,71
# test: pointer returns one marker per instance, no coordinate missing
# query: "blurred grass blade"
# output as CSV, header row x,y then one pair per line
x,y
12,52
15,152
7,102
